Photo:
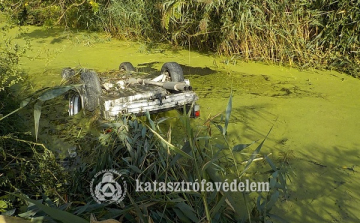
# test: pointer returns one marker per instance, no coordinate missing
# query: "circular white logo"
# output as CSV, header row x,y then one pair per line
x,y
108,186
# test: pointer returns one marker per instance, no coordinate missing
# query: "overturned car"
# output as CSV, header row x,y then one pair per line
x,y
126,91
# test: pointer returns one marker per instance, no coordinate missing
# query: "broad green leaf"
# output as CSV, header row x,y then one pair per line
x,y
55,92
188,211
203,137
271,163
275,174
9,212
152,124
282,178
30,213
160,120
220,146
25,102
207,164
135,168
137,209
219,205
146,146
89,207
54,213
143,132
220,128
82,209
65,206
48,201
259,205
254,154
235,201
272,182
37,114
240,147
181,216
274,197
115,212
227,114
186,148
176,200
211,162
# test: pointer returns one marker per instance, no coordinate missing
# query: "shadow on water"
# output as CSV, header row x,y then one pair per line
x,y
201,71
149,68
323,181
41,34
249,117
325,186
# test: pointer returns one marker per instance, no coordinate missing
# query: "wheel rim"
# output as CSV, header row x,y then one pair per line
x,y
74,105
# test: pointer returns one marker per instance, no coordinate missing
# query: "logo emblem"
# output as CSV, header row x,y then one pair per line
x,y
108,186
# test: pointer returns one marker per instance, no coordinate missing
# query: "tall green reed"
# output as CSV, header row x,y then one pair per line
x,y
140,151
320,34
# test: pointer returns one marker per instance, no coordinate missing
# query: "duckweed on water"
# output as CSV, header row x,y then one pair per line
x,y
313,113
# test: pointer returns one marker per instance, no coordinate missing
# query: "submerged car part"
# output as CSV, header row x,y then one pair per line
x,y
75,104
124,95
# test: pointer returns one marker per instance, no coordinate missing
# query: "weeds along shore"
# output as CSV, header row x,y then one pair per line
x,y
306,34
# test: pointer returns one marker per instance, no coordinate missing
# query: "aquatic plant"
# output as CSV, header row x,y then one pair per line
x,y
10,54
140,150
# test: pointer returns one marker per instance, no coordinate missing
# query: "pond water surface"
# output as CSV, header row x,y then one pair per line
x,y
314,114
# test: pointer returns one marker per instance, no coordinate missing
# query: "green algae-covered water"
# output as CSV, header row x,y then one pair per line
x,y
314,114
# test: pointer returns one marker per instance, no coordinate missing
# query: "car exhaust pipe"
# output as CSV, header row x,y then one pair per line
x,y
177,86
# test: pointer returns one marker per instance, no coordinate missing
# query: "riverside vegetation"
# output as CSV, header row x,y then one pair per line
x,y
320,34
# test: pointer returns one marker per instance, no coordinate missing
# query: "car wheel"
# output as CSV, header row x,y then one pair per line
x,y
173,70
67,73
91,90
126,66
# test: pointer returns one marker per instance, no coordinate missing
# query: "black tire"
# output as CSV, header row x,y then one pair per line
x,y
174,70
126,66
91,90
67,73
